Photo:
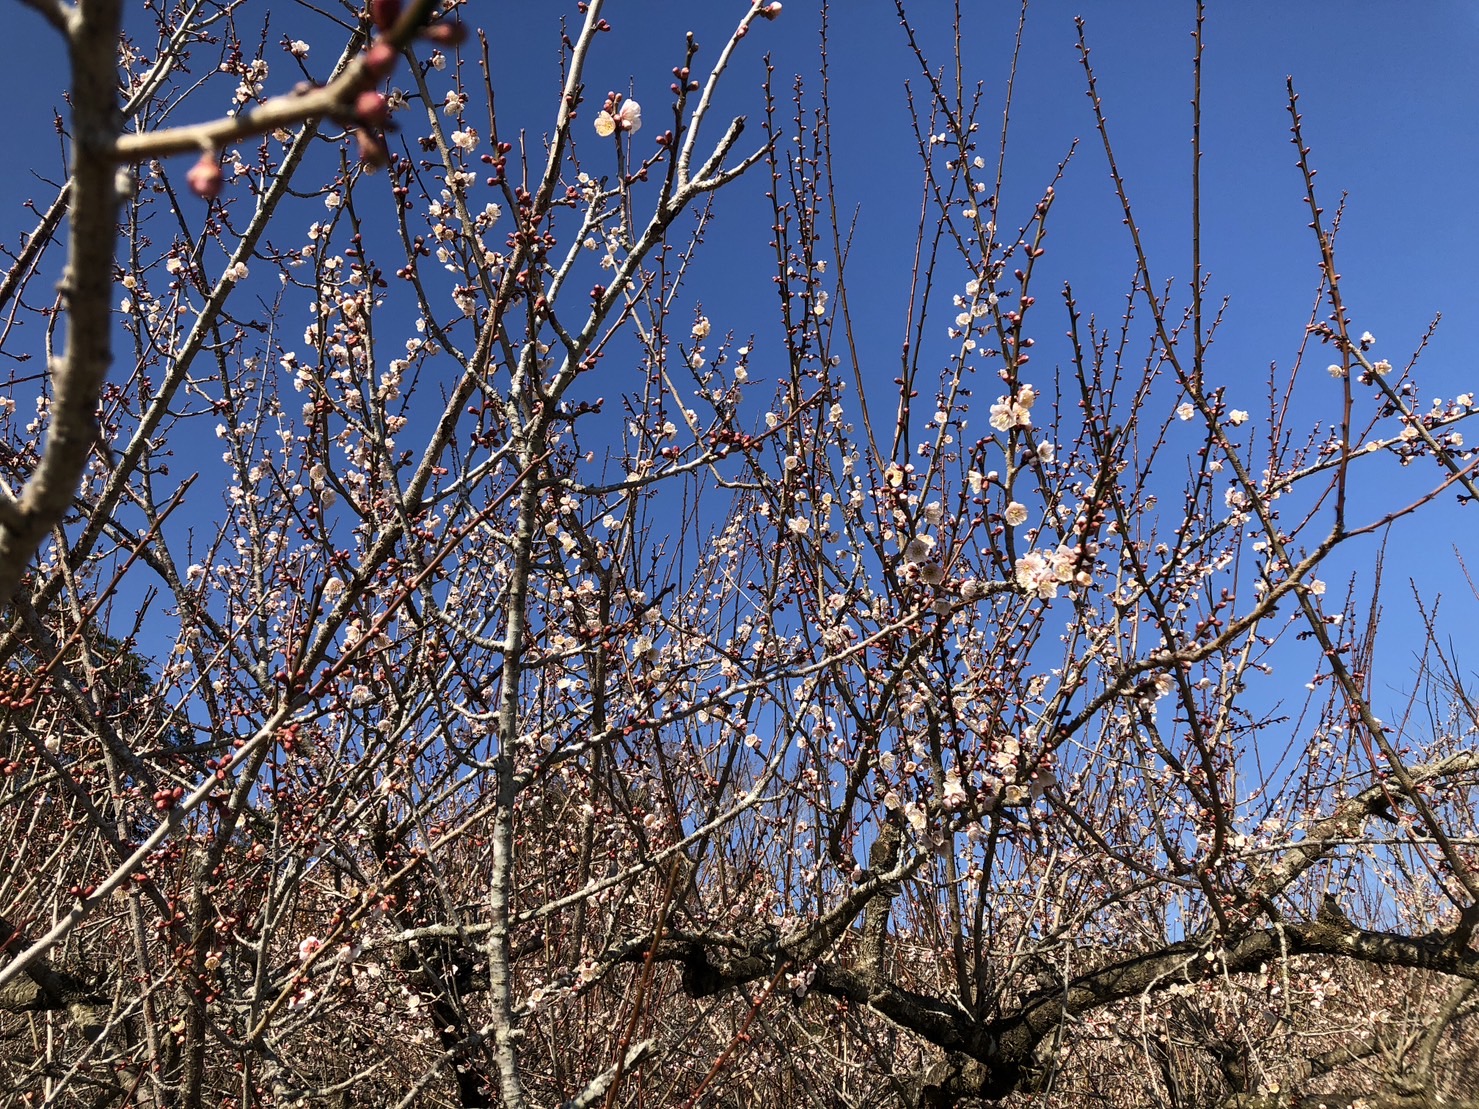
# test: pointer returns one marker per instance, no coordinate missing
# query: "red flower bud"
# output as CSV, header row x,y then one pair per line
x,y
385,13
373,152
445,33
380,59
205,176
371,109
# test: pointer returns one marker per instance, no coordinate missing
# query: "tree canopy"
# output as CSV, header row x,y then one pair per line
x,y
497,613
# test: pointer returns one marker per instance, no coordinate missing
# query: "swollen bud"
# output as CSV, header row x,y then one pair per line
x,y
205,176
446,33
371,109
373,150
380,59
385,13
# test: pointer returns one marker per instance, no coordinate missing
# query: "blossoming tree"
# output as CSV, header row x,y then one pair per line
x,y
450,661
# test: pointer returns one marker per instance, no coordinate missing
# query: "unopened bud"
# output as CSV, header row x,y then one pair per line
x,y
380,59
205,176
371,109
373,151
446,33
385,13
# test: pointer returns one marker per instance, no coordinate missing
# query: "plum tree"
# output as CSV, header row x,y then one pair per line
x,y
448,660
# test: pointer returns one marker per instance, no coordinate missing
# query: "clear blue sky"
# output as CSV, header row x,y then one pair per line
x,y
1389,94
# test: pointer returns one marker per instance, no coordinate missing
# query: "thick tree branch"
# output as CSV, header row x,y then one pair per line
x,y
1004,1047
45,987
86,287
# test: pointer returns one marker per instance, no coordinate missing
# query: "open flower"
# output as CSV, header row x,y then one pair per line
x,y
1040,573
1011,412
627,118
953,795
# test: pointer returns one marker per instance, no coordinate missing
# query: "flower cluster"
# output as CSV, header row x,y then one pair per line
x,y
611,119
1016,411
1041,573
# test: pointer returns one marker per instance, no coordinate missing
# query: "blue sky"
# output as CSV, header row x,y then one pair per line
x,y
1388,96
